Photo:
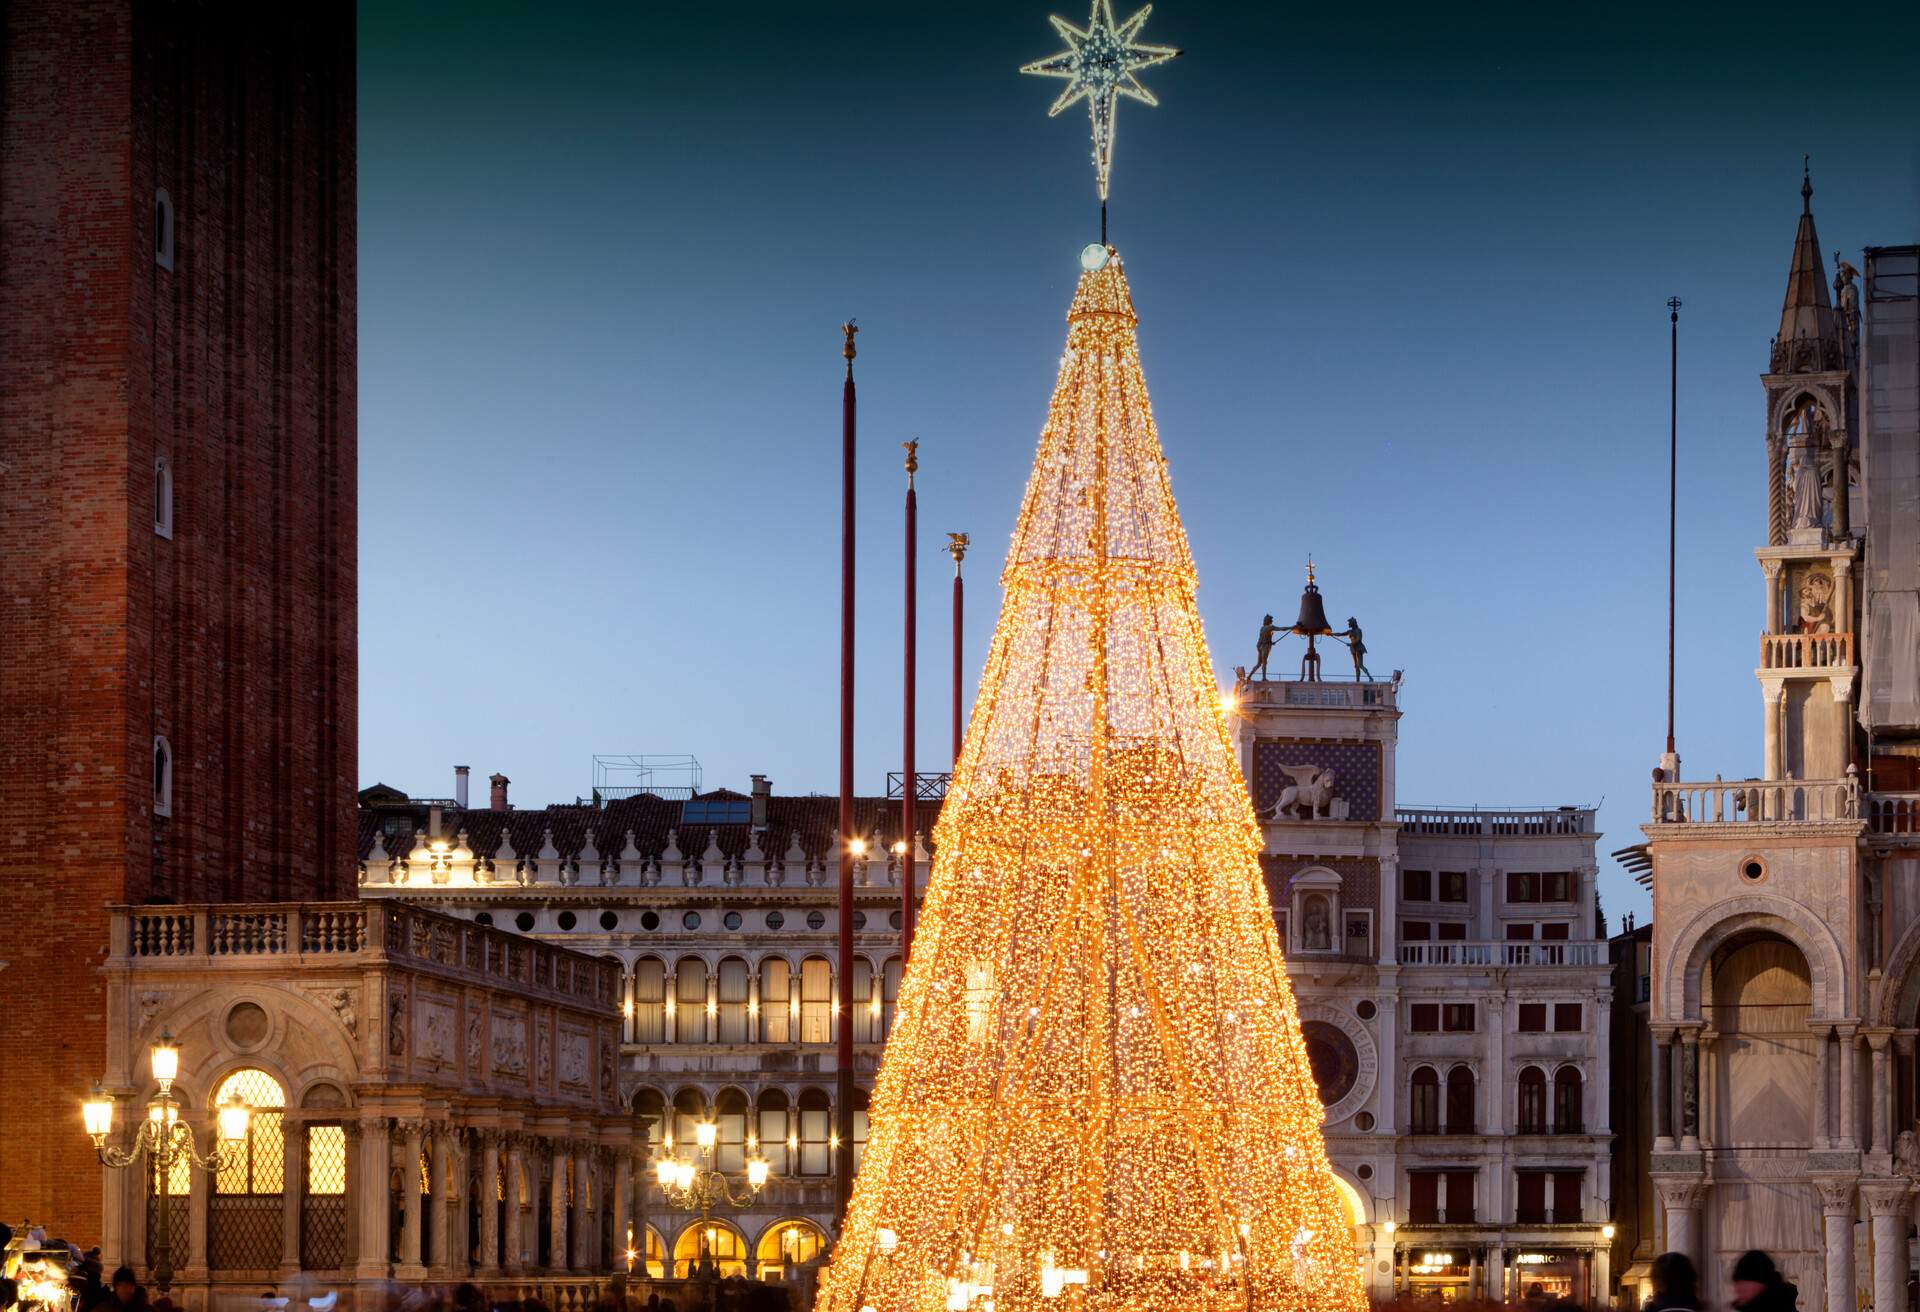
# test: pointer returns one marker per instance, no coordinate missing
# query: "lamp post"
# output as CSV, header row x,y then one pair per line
x,y
696,1186
166,1139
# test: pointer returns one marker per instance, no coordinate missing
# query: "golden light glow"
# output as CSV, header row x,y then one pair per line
x,y
1065,1114
166,1061
97,1113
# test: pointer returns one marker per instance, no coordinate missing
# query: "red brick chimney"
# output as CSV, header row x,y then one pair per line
x,y
498,800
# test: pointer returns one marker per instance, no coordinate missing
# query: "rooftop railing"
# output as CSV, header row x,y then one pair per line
x,y
1507,953
1464,822
1755,801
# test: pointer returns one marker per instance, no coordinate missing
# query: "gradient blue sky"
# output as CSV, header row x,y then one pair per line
x,y
1400,273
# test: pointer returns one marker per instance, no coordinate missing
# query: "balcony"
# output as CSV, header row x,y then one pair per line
x,y
1756,801
1893,813
1806,651
1471,822
1521,953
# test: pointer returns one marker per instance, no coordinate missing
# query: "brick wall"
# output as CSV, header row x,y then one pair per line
x,y
236,639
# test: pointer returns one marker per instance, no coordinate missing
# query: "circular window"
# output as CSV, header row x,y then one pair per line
x,y
731,920
775,919
1753,870
859,920
1365,1121
1335,1063
247,1025
484,918
893,922
691,920
524,920
649,920
568,920
1366,1010
608,920
816,920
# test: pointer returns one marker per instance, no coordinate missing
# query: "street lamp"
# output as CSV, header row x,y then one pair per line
x,y
697,1186
165,1138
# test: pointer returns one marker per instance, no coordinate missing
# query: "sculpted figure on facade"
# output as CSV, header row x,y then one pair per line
x,y
1310,791
397,1020
1906,1155
1263,645
1806,502
1816,603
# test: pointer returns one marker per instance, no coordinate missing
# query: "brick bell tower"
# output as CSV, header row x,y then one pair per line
x,y
177,506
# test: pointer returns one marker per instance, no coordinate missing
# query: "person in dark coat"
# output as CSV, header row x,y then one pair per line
x,y
1676,1285
1759,1287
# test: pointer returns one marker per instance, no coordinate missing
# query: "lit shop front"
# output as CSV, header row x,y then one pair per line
x,y
1557,1274
1464,1273
1450,1274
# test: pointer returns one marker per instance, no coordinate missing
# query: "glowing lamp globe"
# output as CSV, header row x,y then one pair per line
x,y
166,1061
97,1112
663,1171
705,1133
757,1172
233,1117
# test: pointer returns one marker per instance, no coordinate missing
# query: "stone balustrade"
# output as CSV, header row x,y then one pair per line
x,y
1755,801
1505,953
1806,651
1467,822
1893,813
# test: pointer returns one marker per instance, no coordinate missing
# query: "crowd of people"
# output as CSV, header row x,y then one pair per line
x,y
1755,1285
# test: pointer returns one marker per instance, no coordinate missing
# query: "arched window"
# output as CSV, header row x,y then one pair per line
x,y
690,1000
866,1006
689,1109
1424,1106
243,1218
162,497
1460,1101
779,1140
650,1109
788,1244
654,1263
1567,1118
716,1241
777,1003
816,1133
730,1118
859,1126
889,994
734,988
650,1000
162,775
163,242
816,1001
1533,1101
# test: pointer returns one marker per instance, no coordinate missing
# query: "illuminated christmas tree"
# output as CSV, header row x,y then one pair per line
x,y
1096,1094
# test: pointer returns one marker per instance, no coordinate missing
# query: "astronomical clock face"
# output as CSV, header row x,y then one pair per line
x,y
1335,1061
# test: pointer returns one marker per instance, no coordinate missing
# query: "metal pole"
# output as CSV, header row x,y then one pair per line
x,y
957,548
1673,498
163,1242
843,1106
909,789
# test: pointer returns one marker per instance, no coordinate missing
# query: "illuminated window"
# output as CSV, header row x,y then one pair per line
x,y
788,1244
260,1164
326,1160
733,988
650,1108
714,1241
859,1126
889,994
776,1001
778,1141
689,1109
730,1118
866,1007
816,1132
816,1001
649,1001
690,1000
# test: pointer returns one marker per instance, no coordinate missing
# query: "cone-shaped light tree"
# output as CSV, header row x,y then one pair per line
x,y
1096,1093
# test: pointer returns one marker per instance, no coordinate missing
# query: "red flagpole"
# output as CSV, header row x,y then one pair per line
x,y
843,1105
909,789
957,548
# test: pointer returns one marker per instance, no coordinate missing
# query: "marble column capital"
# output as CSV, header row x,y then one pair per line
x,y
1836,1195
1887,1197
1682,1195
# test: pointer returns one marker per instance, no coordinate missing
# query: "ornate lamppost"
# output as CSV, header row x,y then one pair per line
x,y
696,1186
167,1140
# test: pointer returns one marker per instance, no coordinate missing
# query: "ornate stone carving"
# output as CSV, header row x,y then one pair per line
x,y
510,1044
437,1031
542,1056
1311,790
1887,1198
474,1040
1681,1195
1836,1196
575,1060
1906,1154
151,1000
397,1019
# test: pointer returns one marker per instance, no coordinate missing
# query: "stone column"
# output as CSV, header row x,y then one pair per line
x,y
1690,1091
443,1198
407,1261
1881,1124
1771,693
1602,1268
292,1182
516,1203
1849,1089
370,1200
1822,1123
623,1208
1836,1205
489,1200
557,1197
1771,568
1681,1199
581,1245
1662,1078
1497,1274
350,1131
1887,1217
192,1265
1709,1095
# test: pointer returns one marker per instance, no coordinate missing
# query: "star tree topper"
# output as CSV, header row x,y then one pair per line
x,y
1099,66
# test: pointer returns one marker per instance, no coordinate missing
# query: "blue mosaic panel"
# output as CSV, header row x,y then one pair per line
x,y
1355,766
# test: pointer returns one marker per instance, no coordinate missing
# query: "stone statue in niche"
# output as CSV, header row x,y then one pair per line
x,y
1310,791
1816,603
1263,645
1316,925
397,1021
1906,1155
1846,294
1806,505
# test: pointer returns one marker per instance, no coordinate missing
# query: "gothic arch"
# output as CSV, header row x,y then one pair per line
x,y
1901,997
1714,925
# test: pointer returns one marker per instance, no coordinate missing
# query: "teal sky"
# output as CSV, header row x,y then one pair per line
x,y
1401,276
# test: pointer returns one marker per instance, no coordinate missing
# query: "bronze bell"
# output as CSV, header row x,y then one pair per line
x,y
1313,613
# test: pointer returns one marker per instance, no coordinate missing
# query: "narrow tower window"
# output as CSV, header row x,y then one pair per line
x,y
163,229
162,497
162,776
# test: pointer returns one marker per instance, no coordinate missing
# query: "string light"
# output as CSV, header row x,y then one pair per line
x,y
1065,1110
1099,64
